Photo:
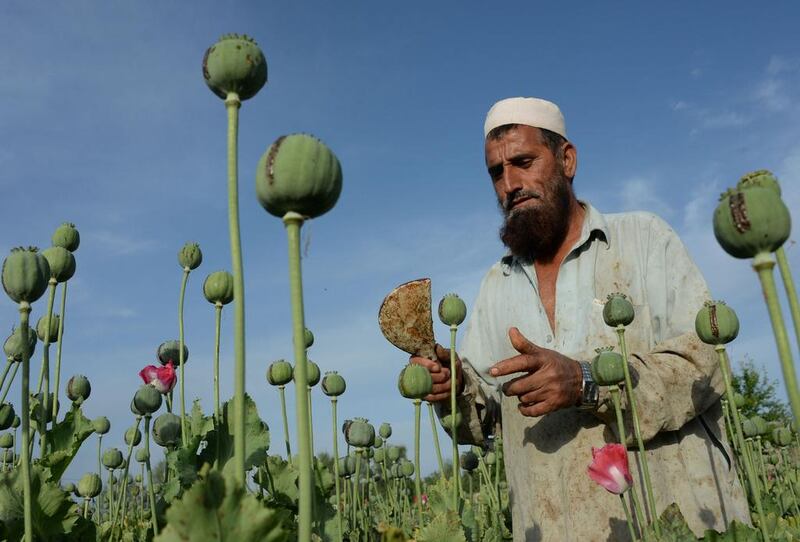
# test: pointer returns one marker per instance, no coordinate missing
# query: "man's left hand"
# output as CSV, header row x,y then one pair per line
x,y
551,381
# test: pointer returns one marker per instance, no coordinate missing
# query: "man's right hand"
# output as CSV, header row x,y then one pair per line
x,y
440,373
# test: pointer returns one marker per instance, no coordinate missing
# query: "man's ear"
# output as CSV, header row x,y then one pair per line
x,y
570,154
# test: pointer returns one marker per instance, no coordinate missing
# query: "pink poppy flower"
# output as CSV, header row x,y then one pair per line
x,y
161,378
609,468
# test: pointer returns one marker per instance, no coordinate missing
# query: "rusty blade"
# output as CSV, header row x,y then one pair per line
x,y
406,319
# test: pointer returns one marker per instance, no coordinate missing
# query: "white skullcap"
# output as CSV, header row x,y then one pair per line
x,y
528,111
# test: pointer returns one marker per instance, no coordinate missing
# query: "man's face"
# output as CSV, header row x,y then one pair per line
x,y
533,191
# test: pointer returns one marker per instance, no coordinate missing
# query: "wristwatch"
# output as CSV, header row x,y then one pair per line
x,y
590,393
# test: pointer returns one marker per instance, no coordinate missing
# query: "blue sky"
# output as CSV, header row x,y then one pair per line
x,y
105,121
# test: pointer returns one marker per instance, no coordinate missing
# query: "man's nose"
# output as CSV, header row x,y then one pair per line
x,y
511,181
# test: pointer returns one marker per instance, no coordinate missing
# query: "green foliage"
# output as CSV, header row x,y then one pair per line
x,y
737,532
443,527
216,508
673,527
220,439
55,516
64,440
760,395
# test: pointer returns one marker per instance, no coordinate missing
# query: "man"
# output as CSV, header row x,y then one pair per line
x,y
538,319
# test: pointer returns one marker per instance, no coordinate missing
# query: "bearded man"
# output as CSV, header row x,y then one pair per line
x,y
536,323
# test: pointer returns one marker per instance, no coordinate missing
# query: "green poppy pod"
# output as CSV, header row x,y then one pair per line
x,y
312,373
40,400
7,440
280,373
406,468
749,428
751,221
369,452
447,420
298,173
490,458
378,442
133,435
78,389
608,367
393,453
738,400
477,450
138,478
101,425
333,385
618,310
716,323
6,416
760,425
469,461
61,262
42,328
142,455
359,433
170,351
167,430
135,409
112,458
66,236
25,274
190,256
235,64
147,399
134,489
347,465
90,485
70,488
452,310
308,338
16,422
218,287
8,457
781,436
13,344
762,178
414,382
385,430
380,454
394,471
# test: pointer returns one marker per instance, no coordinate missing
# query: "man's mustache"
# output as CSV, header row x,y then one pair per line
x,y
514,197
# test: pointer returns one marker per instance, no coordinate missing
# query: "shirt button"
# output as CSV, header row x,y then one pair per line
x,y
549,338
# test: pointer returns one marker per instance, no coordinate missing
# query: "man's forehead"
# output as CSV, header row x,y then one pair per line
x,y
515,139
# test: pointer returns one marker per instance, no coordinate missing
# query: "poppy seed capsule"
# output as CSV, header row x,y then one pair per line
x,y
380,454
112,458
142,455
135,409
308,337
751,221
218,287
490,458
15,423
393,453
280,373
469,461
170,351
66,236
6,440
385,430
312,373
761,426
763,178
41,328
414,382
406,468
618,310
608,367
738,400
347,465
78,389
25,274
147,399
6,416
378,442
716,323
90,485
70,488
235,64
781,436
298,173
133,434
190,256
359,433
46,401
61,262
13,344
167,430
101,425
447,420
452,310
333,385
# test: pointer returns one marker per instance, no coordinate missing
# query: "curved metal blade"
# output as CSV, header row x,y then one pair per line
x,y
406,319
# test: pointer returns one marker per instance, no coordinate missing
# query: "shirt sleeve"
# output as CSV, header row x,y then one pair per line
x,y
680,377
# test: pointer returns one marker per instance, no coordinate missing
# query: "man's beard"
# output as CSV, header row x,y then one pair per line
x,y
537,231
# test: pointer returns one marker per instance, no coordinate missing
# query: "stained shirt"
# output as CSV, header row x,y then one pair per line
x,y
676,379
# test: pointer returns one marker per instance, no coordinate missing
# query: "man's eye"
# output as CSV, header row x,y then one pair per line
x,y
495,173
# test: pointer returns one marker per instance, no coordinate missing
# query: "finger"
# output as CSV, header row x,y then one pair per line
x,y
440,377
516,364
520,343
534,396
442,353
441,388
520,385
437,397
535,410
432,365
